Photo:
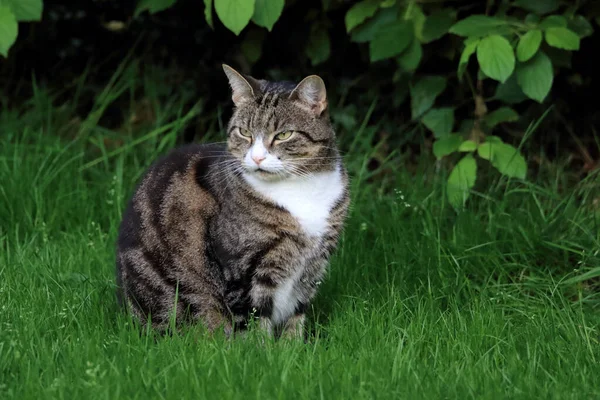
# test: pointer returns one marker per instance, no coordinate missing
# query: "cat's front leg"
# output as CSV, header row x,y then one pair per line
x,y
262,294
294,327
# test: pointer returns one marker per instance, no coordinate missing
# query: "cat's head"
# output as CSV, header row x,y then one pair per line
x,y
280,129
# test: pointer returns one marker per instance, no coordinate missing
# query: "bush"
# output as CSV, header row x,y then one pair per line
x,y
504,54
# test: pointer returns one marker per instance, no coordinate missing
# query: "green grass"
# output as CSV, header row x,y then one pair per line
x,y
497,301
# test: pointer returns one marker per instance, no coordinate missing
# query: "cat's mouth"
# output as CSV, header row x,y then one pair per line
x,y
264,172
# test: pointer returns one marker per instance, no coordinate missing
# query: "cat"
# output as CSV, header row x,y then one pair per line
x,y
218,234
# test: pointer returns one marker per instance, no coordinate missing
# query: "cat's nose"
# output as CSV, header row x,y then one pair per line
x,y
258,158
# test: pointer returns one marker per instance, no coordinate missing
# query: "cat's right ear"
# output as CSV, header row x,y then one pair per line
x,y
241,88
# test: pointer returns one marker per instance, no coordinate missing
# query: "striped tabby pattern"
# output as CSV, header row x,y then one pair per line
x,y
216,233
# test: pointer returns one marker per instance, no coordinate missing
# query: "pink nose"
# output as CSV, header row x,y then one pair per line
x,y
258,159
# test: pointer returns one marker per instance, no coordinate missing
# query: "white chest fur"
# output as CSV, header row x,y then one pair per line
x,y
308,199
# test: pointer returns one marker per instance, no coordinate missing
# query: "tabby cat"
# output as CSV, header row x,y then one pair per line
x,y
218,234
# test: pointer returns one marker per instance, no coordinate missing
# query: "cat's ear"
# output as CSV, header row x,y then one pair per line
x,y
311,94
242,89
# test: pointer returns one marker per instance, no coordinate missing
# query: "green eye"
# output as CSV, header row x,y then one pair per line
x,y
245,132
283,135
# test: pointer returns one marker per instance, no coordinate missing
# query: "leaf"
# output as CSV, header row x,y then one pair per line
x,y
25,10
477,25
9,30
390,40
510,92
359,12
470,47
366,32
235,14
410,58
439,121
461,180
505,158
318,47
437,25
446,145
503,114
208,13
423,94
496,57
535,77
153,6
553,21
415,14
467,146
538,6
560,58
267,12
532,19
252,44
562,38
529,45
580,26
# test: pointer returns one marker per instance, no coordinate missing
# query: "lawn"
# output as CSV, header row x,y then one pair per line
x,y
499,300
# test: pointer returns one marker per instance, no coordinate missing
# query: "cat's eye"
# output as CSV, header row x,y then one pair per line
x,y
245,132
284,135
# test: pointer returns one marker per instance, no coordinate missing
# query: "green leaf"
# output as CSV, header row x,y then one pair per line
x,y
503,114
560,58
538,6
510,92
208,13
562,38
535,77
496,57
529,45
366,32
423,94
439,121
478,25
485,150
252,44
235,14
446,145
410,58
153,6
470,47
505,158
581,26
390,40
267,12
461,180
25,10
9,29
437,25
532,19
318,47
359,12
467,146
553,21
417,16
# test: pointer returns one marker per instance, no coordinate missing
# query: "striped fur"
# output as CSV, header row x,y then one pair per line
x,y
206,239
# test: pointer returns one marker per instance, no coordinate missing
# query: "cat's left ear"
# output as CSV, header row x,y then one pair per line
x,y
243,89
311,94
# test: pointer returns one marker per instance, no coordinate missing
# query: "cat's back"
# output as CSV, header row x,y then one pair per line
x,y
174,184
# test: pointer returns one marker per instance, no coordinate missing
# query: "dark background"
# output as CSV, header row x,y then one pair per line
x,y
81,38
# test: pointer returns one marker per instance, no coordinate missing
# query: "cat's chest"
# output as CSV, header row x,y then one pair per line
x,y
308,200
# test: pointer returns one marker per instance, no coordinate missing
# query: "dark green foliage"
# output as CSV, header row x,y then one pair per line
x,y
394,54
